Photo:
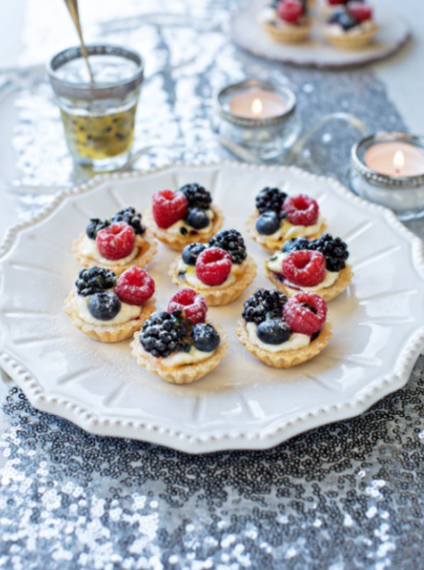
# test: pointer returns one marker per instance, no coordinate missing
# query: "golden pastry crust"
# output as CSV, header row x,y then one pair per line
x,y
328,294
288,34
289,358
186,374
273,245
104,333
147,250
177,241
351,41
219,296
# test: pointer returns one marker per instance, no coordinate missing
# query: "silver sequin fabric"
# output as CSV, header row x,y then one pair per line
x,y
344,496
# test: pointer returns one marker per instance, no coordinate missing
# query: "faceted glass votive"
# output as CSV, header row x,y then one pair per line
x,y
258,116
401,190
98,117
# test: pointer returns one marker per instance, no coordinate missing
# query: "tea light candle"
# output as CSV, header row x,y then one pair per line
x,y
396,159
258,116
388,168
257,104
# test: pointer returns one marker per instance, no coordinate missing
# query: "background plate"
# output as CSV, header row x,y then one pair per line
x,y
377,323
393,34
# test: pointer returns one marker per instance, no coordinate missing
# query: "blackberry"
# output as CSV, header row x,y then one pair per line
x,y
232,242
197,196
262,305
95,226
94,280
164,333
132,218
270,199
296,244
333,249
191,252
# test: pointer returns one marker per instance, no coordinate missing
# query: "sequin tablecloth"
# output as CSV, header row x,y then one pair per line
x,y
349,495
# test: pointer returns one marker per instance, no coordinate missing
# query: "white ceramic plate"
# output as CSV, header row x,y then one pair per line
x,y
378,322
393,34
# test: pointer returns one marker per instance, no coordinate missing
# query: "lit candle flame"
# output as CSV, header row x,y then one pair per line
x,y
257,107
399,161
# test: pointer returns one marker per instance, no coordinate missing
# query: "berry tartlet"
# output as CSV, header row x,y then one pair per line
x,y
317,266
178,344
109,309
185,216
220,271
279,218
286,21
351,26
116,244
284,332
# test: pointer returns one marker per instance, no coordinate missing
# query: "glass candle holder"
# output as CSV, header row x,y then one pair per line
x,y
258,116
388,169
99,116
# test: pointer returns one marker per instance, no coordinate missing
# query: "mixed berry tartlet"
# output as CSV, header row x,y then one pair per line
x,y
351,26
220,271
178,344
317,266
185,216
284,332
109,309
279,218
286,21
116,244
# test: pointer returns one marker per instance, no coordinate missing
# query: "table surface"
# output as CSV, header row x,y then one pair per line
x,y
349,495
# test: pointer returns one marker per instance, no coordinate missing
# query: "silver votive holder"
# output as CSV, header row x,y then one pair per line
x,y
402,194
265,137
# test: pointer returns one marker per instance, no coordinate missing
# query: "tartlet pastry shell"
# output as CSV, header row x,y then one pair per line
x,y
186,374
219,296
178,241
104,333
147,250
273,245
289,358
287,34
328,294
351,41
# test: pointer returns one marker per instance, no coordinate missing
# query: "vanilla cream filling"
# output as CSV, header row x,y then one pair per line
x,y
182,358
237,269
88,248
289,231
126,314
295,341
175,228
336,30
275,264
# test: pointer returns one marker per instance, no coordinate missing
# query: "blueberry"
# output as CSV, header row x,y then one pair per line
x,y
197,218
335,15
274,331
268,223
205,337
104,306
347,22
296,244
191,253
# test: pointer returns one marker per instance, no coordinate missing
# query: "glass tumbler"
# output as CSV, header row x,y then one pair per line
x,y
98,116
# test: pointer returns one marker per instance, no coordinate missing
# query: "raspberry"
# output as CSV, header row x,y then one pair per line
x,y
135,286
213,266
305,313
301,210
305,268
192,305
168,207
290,11
116,241
360,11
